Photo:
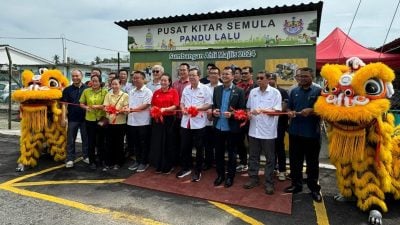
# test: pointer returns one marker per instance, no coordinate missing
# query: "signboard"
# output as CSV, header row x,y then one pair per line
x,y
208,55
255,31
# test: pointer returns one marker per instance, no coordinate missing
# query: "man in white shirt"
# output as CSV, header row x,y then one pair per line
x,y
138,132
263,130
193,128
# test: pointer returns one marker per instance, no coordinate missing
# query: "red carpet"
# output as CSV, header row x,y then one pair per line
x,y
236,195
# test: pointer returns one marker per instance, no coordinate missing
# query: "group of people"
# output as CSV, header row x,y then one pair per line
x,y
164,121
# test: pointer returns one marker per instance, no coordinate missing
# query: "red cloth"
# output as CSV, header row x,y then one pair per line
x,y
165,99
246,87
179,86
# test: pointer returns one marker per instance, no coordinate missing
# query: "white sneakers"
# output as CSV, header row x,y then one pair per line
x,y
86,160
282,176
69,164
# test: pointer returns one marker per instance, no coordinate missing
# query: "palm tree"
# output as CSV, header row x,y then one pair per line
x,y
56,59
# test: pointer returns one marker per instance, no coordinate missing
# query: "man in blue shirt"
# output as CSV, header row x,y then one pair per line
x,y
76,118
226,98
304,134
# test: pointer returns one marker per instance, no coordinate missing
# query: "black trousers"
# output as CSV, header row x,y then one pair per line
x,y
115,144
308,148
162,144
209,144
176,158
226,141
280,149
192,138
241,147
96,139
139,137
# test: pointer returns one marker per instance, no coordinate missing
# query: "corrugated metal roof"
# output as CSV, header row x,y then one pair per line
x,y
391,47
226,14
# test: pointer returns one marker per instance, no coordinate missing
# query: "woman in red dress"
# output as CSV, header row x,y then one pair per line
x,y
163,137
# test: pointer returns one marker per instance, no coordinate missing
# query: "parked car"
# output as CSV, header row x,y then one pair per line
x,y
4,95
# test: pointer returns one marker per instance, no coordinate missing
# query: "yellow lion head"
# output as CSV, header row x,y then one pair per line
x,y
46,86
355,94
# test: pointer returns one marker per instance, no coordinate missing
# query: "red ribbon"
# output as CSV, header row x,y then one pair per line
x,y
192,111
276,113
155,113
240,115
112,110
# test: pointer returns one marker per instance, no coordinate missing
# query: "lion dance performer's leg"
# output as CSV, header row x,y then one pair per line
x,y
56,134
33,123
365,169
396,162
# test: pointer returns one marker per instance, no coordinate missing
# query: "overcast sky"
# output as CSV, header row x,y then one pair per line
x,y
92,21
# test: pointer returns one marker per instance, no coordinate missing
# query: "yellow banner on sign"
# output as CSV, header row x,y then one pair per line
x,y
143,66
237,63
285,68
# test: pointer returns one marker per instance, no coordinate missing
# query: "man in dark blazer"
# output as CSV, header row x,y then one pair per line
x,y
226,99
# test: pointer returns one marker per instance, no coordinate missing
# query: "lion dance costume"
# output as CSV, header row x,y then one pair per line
x,y
40,112
363,142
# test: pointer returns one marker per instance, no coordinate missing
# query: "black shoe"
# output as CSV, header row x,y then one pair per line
x,y
269,190
206,167
158,171
316,196
219,181
253,182
196,176
228,182
93,166
293,189
168,171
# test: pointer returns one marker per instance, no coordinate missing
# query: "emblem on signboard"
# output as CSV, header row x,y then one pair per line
x,y
149,40
293,27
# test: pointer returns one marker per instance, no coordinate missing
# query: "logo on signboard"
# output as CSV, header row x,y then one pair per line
x,y
293,27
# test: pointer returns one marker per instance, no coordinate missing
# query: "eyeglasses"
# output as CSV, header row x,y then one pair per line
x,y
260,78
245,73
155,71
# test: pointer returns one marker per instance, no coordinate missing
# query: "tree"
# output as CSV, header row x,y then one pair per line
x,y
97,60
313,26
56,59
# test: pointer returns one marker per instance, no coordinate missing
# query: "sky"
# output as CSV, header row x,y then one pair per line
x,y
91,22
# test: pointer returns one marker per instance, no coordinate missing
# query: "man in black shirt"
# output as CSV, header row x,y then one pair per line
x,y
282,128
76,118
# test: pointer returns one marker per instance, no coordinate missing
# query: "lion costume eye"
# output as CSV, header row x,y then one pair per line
x,y
53,82
373,87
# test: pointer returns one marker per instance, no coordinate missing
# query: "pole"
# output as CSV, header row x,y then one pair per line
x,y
9,87
118,62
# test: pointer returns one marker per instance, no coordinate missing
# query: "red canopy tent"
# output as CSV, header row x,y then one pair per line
x,y
336,49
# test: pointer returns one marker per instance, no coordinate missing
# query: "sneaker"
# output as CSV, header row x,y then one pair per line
x,y
69,164
116,167
168,171
134,166
142,168
241,168
282,176
196,176
106,168
183,173
86,160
